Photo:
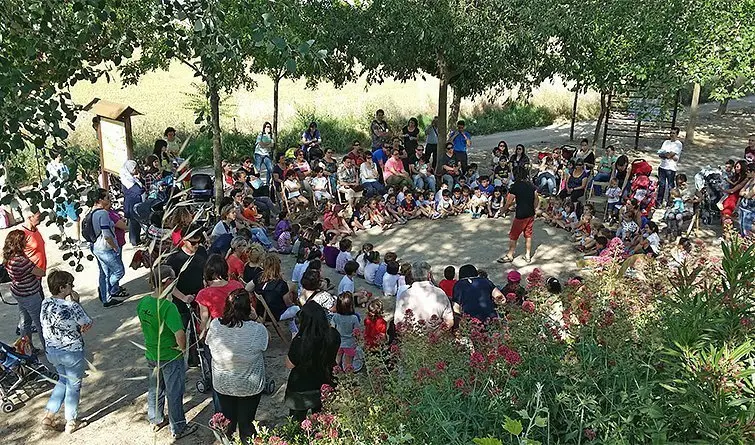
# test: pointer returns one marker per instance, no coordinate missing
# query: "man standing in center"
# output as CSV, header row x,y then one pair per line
x,y
462,140
526,202
669,154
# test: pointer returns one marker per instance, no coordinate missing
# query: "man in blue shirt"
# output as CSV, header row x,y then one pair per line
x,y
462,140
379,157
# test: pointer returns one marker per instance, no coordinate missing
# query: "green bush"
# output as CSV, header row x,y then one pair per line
x,y
337,133
492,118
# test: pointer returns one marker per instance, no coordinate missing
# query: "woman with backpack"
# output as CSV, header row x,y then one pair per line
x,y
99,230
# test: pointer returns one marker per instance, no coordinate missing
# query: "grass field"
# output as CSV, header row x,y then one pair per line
x,y
162,97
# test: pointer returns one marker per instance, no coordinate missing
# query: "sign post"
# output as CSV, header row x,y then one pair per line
x,y
113,125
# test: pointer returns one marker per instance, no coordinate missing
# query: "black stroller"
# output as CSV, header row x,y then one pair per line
x,y
16,372
710,183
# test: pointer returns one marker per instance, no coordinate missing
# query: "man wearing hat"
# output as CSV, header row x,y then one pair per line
x,y
524,195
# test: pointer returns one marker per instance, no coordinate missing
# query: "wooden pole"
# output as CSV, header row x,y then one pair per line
x,y
574,112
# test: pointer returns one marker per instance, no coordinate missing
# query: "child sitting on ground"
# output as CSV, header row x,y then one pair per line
x,y
391,279
345,321
598,246
514,286
628,226
359,220
410,208
427,205
394,210
237,257
287,239
495,203
568,216
329,251
333,220
370,269
282,225
344,256
478,204
649,242
445,207
375,326
485,186
383,268
448,281
347,284
458,202
361,258
377,215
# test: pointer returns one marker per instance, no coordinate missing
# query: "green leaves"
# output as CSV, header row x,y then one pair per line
x,y
514,427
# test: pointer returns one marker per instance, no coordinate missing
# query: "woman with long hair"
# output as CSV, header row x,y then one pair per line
x,y
739,180
25,284
310,358
262,149
276,292
237,342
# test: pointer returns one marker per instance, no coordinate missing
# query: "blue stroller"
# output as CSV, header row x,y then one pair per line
x,y
16,371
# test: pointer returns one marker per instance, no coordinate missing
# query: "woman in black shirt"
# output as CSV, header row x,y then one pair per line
x,y
411,136
311,358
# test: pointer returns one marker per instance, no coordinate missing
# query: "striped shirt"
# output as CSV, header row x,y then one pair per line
x,y
238,366
23,282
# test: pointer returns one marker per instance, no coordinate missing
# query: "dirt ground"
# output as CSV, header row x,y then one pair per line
x,y
114,390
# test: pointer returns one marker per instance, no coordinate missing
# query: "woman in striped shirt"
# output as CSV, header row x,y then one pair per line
x,y
26,286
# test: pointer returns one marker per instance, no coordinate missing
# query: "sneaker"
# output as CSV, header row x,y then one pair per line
x,y
190,428
74,425
122,293
112,303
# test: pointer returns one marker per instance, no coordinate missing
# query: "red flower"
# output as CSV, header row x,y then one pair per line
x,y
512,357
477,360
528,306
357,333
589,433
510,297
459,383
440,366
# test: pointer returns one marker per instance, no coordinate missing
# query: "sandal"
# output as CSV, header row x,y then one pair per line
x,y
158,426
528,258
504,259
49,423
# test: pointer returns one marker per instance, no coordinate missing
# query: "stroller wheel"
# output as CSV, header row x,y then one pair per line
x,y
201,386
269,387
8,407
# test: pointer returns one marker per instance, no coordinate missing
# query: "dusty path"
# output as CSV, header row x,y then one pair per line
x,y
114,391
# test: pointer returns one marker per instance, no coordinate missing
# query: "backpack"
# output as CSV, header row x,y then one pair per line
x,y
87,227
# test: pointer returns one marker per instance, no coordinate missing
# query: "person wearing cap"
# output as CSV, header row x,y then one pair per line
x,y
474,295
523,190
425,300
165,344
514,286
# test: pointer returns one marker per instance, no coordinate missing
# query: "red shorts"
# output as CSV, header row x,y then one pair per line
x,y
351,352
521,225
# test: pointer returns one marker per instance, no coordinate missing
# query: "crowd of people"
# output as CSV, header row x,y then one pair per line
x,y
221,279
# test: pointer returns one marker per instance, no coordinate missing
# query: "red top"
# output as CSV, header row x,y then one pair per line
x,y
35,248
448,287
330,220
374,329
235,267
214,297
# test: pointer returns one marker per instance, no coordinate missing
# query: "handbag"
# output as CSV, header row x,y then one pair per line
x,y
357,188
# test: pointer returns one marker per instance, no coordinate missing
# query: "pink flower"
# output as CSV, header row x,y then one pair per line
x,y
319,436
394,349
440,366
589,433
511,356
459,383
528,306
357,333
219,422
333,433
306,425
511,297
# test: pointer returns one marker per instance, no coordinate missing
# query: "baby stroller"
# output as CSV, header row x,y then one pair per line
x,y
643,190
710,183
202,187
16,371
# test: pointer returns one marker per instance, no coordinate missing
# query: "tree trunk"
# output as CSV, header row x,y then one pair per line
x,y
276,86
693,110
601,116
455,108
217,148
442,105
722,107
574,112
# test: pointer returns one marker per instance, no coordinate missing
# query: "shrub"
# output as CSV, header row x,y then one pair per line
x,y
492,118
337,134
664,357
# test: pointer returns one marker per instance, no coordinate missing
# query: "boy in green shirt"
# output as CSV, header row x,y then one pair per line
x,y
164,352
